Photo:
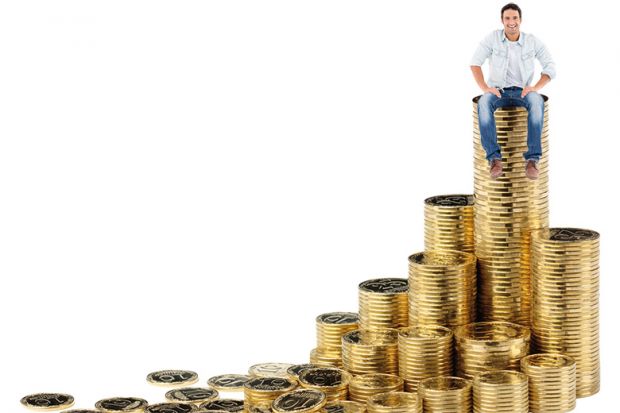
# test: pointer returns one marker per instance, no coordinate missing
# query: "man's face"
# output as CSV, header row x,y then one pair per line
x,y
511,21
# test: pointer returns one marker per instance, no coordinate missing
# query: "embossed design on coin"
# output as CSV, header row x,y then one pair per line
x,y
172,377
269,370
47,401
572,234
170,408
121,404
324,377
228,382
345,406
270,384
192,395
299,401
450,200
223,405
338,318
298,368
385,285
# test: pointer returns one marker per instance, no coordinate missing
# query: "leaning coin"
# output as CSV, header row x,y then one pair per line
x,y
228,382
172,377
269,370
121,404
170,408
299,401
223,405
47,401
192,395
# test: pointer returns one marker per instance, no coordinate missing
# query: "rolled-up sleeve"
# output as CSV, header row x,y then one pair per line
x,y
545,59
484,50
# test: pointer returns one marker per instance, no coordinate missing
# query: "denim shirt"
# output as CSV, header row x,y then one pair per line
x,y
495,48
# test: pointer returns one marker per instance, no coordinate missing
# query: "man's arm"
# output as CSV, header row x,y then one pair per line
x,y
484,50
548,66
479,78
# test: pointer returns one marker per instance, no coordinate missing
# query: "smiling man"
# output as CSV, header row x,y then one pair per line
x,y
511,55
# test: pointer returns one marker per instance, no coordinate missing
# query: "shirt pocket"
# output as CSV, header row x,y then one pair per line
x,y
528,60
498,58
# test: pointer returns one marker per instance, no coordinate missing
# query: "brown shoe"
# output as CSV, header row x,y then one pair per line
x,y
496,168
531,169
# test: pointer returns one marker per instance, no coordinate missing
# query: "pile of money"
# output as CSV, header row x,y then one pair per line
x,y
330,327
269,370
395,402
299,401
552,382
363,386
345,406
566,260
505,212
370,351
449,223
442,288
322,357
446,394
383,304
262,391
489,346
502,391
332,381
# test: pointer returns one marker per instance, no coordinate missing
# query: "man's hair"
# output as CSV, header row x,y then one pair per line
x,y
510,6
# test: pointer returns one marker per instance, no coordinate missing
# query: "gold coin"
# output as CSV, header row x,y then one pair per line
x,y
299,401
344,406
552,382
171,408
192,395
446,394
269,370
223,405
394,402
228,382
171,378
47,401
296,369
121,404
501,392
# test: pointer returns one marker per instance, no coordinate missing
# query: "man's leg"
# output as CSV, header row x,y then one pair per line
x,y
535,106
486,122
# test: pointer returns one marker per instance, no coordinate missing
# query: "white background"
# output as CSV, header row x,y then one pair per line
x,y
188,184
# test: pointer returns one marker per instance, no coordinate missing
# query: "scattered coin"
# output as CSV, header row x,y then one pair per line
x,y
228,382
170,408
47,401
192,395
269,370
121,404
172,378
223,405
299,401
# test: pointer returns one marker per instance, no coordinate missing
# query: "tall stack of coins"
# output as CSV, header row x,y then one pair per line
x,y
369,351
552,382
489,346
395,402
442,288
505,212
501,391
366,385
449,223
332,381
383,304
322,357
565,264
423,352
330,327
299,401
261,391
446,394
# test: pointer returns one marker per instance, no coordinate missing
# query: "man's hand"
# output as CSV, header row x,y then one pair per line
x,y
492,90
527,90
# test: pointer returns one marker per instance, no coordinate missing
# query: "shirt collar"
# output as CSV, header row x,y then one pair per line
x,y
520,41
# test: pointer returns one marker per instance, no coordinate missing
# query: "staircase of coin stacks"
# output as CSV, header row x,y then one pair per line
x,y
499,314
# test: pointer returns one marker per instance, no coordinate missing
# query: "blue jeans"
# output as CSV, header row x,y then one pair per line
x,y
535,105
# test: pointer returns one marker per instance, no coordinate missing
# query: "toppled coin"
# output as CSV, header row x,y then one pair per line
x,y
170,408
192,395
47,401
172,377
121,404
228,382
223,405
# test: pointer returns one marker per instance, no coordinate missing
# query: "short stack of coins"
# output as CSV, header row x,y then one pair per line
x,y
449,223
330,327
299,401
262,391
332,381
565,319
489,346
395,402
423,352
505,211
502,391
552,382
446,394
370,351
364,386
322,357
442,288
383,304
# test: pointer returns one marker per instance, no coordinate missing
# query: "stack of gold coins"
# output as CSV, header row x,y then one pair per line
x,y
344,406
322,357
505,211
365,385
262,391
442,288
449,223
423,352
501,391
565,319
369,351
299,401
394,402
332,381
489,346
446,394
383,304
330,327
552,382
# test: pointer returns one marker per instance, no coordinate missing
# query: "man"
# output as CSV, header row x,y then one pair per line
x,y
511,56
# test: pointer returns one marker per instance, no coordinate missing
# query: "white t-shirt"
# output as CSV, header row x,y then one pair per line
x,y
513,75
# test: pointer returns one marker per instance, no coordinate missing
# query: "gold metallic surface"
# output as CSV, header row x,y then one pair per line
x,y
424,352
369,351
501,391
47,401
344,406
326,357
486,346
446,394
332,381
264,390
442,288
383,304
394,402
552,382
330,327
449,223
505,212
269,370
565,318
299,401
363,386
